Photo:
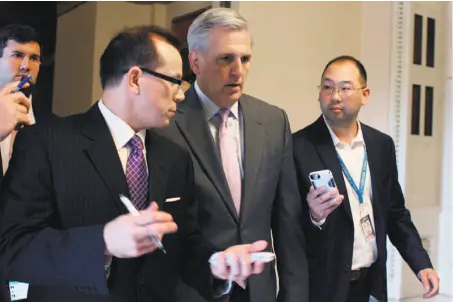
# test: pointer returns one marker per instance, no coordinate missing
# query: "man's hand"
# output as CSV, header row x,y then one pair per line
x,y
430,281
322,203
234,263
129,236
13,109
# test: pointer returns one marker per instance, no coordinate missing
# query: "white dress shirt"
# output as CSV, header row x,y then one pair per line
x,y
5,145
235,122
364,253
121,133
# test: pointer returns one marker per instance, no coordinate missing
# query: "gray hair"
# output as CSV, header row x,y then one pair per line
x,y
201,27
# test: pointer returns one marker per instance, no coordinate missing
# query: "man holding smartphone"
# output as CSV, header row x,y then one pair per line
x,y
346,228
20,52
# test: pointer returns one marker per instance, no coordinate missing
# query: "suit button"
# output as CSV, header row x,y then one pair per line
x,y
141,280
347,268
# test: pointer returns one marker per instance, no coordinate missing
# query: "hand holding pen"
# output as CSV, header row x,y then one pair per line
x,y
138,233
134,212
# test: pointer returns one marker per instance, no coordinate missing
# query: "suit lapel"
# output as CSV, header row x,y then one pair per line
x,y
100,149
254,136
1,167
157,168
40,112
328,155
374,153
193,126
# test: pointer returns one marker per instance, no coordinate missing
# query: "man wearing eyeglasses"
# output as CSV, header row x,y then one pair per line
x,y
346,227
65,231
20,52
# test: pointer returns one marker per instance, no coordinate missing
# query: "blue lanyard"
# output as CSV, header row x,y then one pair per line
x,y
362,177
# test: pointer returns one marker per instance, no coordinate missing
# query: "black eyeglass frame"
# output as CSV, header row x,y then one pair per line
x,y
159,75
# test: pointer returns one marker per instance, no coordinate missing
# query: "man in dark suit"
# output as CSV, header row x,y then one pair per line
x,y
64,230
346,228
242,152
20,53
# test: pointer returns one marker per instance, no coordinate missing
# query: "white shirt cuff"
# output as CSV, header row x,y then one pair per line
x,y
107,263
226,290
319,223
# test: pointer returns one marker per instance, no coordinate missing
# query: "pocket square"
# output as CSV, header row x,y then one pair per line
x,y
172,199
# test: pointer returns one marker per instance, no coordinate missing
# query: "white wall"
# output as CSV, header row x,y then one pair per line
x,y
180,8
291,52
73,74
82,35
112,17
424,153
445,224
376,56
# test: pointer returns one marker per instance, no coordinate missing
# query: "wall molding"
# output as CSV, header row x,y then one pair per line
x,y
399,94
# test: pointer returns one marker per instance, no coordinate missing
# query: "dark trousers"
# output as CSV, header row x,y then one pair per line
x,y
238,294
359,290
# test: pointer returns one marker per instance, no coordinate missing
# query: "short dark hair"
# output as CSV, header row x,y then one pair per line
x,y
357,63
132,46
19,33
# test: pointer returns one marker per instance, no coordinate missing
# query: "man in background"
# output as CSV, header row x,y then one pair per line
x,y
20,55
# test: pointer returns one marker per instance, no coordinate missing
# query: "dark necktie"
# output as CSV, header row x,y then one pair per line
x,y
137,174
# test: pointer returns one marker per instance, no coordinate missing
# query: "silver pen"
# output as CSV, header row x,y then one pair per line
x,y
134,212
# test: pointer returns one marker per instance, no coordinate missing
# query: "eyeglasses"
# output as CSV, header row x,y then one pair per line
x,y
343,91
160,76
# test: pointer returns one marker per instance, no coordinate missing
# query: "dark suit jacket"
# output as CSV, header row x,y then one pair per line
x,y
329,250
61,189
270,198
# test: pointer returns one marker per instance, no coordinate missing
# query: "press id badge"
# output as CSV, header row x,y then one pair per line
x,y
367,228
18,290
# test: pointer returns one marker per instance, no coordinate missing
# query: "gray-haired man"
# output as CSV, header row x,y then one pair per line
x,y
242,153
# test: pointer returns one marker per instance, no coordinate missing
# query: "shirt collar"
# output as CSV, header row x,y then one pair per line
x,y
210,109
357,141
120,130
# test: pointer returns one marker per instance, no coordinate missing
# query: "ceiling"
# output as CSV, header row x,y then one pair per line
x,y
65,6
26,11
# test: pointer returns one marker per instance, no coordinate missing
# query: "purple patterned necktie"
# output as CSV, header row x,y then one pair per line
x,y
137,174
230,161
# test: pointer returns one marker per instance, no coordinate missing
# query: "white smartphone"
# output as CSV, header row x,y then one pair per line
x,y
323,178
260,256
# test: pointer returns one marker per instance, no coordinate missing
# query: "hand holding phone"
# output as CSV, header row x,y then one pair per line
x,y
323,196
14,109
25,80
